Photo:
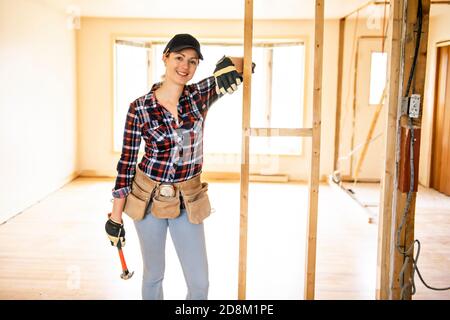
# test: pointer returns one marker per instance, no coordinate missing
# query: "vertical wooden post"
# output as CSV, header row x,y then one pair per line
x,y
269,62
246,102
337,129
393,101
418,84
311,232
355,79
402,41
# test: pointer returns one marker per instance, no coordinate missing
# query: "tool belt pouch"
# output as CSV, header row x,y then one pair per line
x,y
197,203
164,207
137,202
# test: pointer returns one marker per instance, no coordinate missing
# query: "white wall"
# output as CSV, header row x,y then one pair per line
x,y
355,28
37,103
439,30
94,43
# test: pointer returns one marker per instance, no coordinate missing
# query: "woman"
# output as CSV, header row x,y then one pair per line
x,y
167,182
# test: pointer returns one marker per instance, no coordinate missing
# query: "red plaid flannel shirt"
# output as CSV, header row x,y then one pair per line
x,y
173,149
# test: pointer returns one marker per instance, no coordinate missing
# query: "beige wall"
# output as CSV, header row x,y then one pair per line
x,y
439,30
37,103
95,72
354,30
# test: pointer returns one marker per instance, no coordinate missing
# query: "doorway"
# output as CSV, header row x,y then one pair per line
x,y
371,73
440,155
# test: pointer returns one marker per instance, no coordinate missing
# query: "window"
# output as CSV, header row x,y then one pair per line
x,y
378,71
130,82
277,93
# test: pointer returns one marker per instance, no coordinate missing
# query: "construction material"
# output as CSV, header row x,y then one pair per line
x,y
387,179
279,132
313,132
337,129
245,165
395,262
334,180
311,232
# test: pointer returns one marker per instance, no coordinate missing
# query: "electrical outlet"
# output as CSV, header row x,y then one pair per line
x,y
414,106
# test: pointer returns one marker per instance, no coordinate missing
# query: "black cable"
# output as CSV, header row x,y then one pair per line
x,y
416,49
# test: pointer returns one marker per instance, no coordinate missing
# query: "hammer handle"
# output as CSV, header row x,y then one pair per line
x,y
122,260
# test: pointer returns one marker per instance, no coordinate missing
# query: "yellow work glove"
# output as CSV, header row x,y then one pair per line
x,y
227,78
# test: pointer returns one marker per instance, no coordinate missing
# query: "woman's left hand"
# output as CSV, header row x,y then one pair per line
x,y
227,77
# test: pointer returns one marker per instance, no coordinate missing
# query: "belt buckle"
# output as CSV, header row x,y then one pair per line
x,y
167,190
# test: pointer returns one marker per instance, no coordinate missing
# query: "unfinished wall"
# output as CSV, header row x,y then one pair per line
x,y
37,103
95,95
439,30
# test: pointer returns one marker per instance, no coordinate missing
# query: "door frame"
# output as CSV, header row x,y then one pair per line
x,y
434,115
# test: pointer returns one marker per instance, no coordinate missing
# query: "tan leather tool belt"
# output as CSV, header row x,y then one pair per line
x,y
163,200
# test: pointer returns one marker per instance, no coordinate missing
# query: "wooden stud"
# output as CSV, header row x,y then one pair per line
x,y
280,132
337,128
311,232
418,85
355,79
315,152
246,103
387,179
268,63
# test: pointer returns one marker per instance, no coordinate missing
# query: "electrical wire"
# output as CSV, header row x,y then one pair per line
x,y
406,252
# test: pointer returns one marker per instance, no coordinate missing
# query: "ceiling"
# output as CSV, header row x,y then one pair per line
x,y
206,9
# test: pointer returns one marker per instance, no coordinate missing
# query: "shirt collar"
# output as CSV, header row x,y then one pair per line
x,y
155,86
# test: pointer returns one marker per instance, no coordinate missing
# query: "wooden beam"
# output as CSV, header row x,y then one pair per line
x,y
311,232
337,128
406,239
279,132
393,101
268,55
246,103
443,43
355,79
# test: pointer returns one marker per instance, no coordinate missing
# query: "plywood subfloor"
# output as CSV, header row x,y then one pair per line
x,y
57,249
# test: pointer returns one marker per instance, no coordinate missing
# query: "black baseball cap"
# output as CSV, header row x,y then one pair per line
x,y
182,41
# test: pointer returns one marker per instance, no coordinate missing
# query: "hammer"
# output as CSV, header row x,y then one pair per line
x,y
125,273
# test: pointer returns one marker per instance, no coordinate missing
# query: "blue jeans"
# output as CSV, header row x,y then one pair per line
x,y
189,242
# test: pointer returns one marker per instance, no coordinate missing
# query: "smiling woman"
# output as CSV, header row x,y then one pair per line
x,y
164,190
180,68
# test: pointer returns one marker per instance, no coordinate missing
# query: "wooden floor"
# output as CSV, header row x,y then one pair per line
x,y
57,249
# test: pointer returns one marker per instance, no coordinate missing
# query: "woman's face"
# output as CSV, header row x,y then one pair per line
x,y
181,66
